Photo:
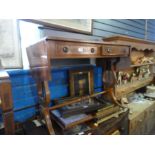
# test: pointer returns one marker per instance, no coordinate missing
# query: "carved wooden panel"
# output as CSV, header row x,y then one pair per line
x,y
127,88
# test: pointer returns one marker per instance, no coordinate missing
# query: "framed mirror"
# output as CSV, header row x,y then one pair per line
x,y
75,25
81,82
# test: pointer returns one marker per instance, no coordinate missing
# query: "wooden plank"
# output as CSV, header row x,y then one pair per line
x,y
151,36
140,21
151,28
130,87
105,34
118,24
125,21
151,21
133,27
132,23
78,99
117,30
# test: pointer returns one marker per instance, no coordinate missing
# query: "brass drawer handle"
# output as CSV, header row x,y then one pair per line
x,y
92,50
65,49
140,120
0,101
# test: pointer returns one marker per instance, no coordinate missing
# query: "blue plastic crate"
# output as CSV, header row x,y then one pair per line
x,y
25,92
21,116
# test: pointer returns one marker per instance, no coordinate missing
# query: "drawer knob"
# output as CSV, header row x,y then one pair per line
x,y
65,49
92,50
140,120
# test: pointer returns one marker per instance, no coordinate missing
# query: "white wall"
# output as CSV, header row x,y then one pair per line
x,y
29,34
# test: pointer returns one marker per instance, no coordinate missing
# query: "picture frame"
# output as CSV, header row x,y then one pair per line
x,y
75,25
81,82
10,51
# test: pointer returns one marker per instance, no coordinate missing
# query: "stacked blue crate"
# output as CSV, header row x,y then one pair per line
x,y
60,81
24,94
24,89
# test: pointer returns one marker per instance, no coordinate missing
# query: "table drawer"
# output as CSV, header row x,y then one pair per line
x,y
69,50
113,50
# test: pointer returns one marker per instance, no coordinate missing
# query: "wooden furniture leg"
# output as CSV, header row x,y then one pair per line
x,y
8,118
6,103
43,86
48,121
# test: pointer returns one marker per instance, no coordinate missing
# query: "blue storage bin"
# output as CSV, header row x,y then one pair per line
x,y
23,115
24,88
